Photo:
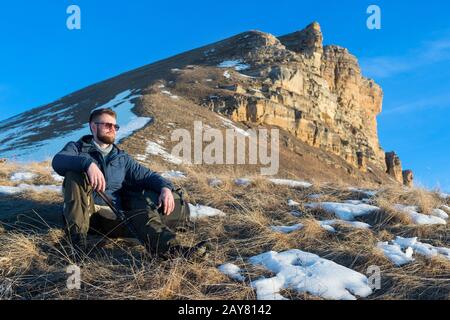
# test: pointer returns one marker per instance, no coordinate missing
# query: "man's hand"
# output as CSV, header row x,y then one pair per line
x,y
166,198
96,178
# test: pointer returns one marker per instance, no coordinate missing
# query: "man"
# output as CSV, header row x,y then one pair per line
x,y
95,164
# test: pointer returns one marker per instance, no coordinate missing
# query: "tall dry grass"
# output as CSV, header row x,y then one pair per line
x,y
34,260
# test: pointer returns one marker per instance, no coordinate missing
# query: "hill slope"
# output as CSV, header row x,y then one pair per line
x,y
314,94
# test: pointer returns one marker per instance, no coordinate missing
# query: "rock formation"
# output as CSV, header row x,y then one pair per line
x,y
408,178
394,166
316,93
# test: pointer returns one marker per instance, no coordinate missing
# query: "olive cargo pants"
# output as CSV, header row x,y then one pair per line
x,y
155,229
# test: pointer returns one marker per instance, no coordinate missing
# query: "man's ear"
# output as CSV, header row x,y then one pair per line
x,y
91,126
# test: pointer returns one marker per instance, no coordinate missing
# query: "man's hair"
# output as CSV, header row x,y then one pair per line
x,y
98,112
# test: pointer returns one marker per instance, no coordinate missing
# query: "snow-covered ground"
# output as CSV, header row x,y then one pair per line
x,y
287,229
232,270
166,92
307,273
296,213
439,213
420,218
155,149
27,187
57,177
444,195
230,124
344,211
23,176
238,65
411,246
423,249
291,183
446,208
242,182
394,253
328,224
45,149
366,201
199,211
173,174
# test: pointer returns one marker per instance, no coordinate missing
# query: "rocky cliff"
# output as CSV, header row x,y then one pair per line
x,y
313,91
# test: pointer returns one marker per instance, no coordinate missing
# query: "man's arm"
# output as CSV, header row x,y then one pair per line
x,y
145,178
69,159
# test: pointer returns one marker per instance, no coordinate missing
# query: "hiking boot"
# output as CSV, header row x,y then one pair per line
x,y
185,227
78,247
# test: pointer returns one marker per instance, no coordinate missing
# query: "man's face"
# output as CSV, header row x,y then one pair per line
x,y
103,128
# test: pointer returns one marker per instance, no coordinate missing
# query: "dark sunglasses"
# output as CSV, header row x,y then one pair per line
x,y
109,125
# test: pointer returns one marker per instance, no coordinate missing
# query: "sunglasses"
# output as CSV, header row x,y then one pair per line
x,y
109,125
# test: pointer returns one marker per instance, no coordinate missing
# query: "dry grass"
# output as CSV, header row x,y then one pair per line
x,y
425,200
34,260
42,170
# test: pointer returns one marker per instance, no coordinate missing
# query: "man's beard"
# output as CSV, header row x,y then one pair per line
x,y
106,139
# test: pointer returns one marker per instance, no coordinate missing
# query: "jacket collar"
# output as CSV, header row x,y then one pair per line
x,y
87,146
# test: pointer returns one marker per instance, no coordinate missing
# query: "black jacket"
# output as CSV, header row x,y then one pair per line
x,y
120,169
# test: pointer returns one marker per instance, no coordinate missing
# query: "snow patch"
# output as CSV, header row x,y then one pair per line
x,y
242,182
327,224
228,123
158,150
292,203
57,177
291,183
45,149
236,64
419,218
231,270
344,211
439,213
28,187
287,229
166,92
200,211
296,213
394,251
21,176
307,272
172,174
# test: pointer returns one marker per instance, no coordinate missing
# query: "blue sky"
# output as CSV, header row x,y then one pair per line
x,y
41,60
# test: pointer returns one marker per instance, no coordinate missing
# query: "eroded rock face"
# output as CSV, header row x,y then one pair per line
x,y
394,166
316,93
408,178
